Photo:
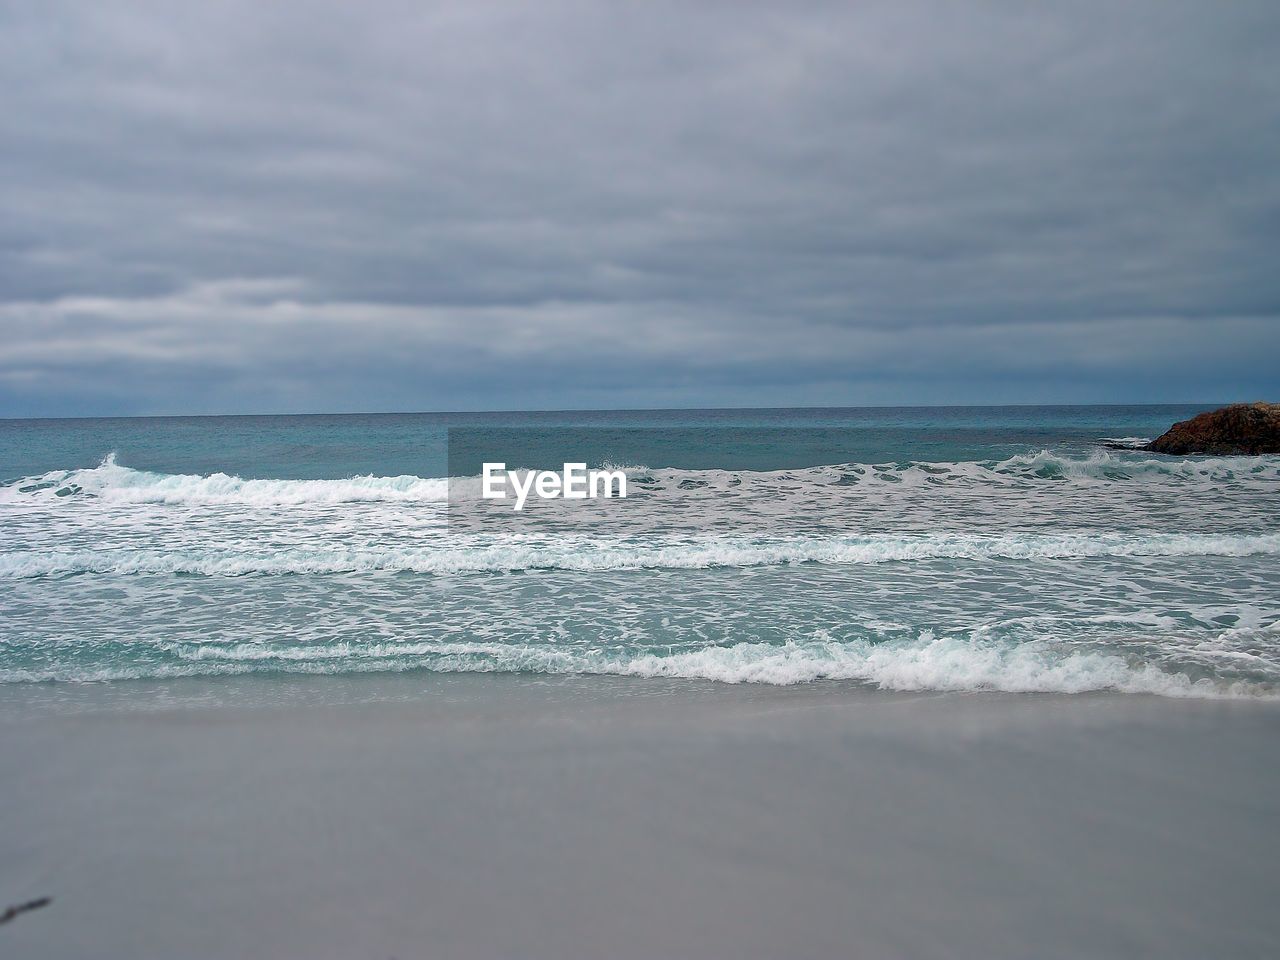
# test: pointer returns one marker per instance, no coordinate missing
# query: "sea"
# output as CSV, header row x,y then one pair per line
x,y
1021,549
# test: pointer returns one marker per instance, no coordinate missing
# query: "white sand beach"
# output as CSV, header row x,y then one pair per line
x,y
504,816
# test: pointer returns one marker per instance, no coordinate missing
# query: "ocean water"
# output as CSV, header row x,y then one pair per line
x,y
906,549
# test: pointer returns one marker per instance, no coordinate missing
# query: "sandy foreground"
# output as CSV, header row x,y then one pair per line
x,y
504,816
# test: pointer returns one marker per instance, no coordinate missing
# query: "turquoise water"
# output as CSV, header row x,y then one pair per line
x,y
956,548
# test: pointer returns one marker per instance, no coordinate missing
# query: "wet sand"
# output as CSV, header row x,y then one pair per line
x,y
503,816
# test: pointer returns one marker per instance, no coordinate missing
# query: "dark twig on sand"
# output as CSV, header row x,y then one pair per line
x,y
18,908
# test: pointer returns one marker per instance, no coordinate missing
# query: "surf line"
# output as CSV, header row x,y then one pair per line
x,y
574,482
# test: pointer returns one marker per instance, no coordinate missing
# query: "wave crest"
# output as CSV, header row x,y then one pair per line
x,y
111,482
924,663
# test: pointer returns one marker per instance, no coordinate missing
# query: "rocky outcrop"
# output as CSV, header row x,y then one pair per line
x,y
1239,428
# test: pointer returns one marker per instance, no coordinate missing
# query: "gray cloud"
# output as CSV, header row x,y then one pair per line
x,y
237,206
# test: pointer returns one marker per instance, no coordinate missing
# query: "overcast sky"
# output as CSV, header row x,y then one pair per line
x,y
290,207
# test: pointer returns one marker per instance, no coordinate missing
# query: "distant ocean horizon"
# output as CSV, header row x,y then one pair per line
x,y
906,548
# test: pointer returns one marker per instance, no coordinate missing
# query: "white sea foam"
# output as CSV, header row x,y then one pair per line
x,y
583,554
927,662
113,483
1110,466
1119,466
1132,443
937,663
1087,555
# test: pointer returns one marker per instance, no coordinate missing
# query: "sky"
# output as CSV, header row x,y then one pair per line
x,y
240,207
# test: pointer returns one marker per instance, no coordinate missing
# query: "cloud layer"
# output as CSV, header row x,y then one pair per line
x,y
238,207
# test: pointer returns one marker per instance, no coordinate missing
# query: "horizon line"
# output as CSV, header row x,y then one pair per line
x,y
421,413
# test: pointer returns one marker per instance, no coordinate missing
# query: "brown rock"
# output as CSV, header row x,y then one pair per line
x,y
1240,428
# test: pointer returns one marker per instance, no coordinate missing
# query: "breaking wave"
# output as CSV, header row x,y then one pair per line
x,y
113,483
928,662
